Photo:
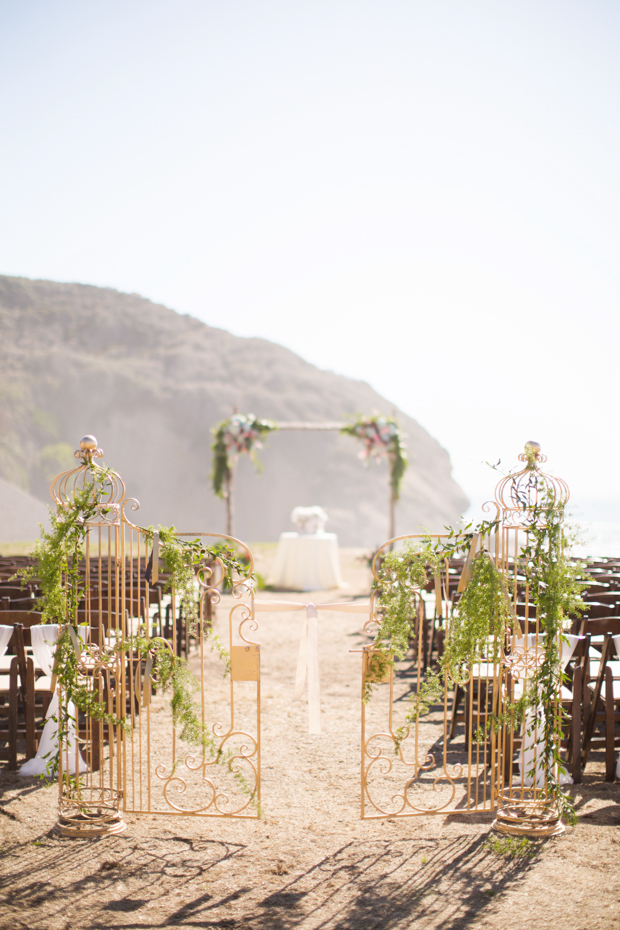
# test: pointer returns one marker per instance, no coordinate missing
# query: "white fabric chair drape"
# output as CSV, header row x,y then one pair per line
x,y
531,756
5,637
44,638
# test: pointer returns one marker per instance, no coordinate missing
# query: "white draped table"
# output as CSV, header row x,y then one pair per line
x,y
307,562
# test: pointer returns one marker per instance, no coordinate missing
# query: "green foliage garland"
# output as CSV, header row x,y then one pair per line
x,y
58,555
180,560
555,585
482,619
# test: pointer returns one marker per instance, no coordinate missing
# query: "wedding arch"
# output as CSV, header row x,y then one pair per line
x,y
241,434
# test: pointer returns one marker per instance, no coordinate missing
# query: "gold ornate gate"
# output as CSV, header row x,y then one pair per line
x,y
439,763
452,758
161,773
130,755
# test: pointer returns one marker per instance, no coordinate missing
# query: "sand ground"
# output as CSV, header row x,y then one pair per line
x,y
309,862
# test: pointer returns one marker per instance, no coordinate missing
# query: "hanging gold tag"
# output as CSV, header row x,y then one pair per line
x,y
245,663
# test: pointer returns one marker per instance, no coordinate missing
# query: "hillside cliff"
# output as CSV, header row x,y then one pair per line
x,y
150,383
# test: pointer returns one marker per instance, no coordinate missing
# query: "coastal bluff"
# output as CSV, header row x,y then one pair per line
x,y
150,383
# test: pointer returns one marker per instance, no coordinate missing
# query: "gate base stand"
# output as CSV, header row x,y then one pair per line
x,y
88,826
518,821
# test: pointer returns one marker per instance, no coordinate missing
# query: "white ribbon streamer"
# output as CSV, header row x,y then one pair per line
x,y
308,655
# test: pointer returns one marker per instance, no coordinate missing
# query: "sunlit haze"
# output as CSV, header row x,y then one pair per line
x,y
423,195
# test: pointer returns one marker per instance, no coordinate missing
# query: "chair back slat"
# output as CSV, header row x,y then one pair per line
x,y
27,618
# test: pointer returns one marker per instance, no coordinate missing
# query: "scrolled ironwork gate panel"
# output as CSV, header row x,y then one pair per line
x,y
127,755
162,773
470,753
447,759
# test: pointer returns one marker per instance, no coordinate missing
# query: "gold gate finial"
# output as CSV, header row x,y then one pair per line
x,y
108,492
88,444
525,495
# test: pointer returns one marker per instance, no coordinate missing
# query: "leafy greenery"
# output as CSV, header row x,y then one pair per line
x,y
481,620
555,588
57,569
511,847
58,553
182,558
171,673
479,623
402,575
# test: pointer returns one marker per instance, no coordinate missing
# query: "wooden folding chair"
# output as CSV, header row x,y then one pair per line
x,y
602,692
9,702
572,703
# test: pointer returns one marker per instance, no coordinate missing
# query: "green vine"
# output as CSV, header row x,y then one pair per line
x,y
402,575
182,558
59,556
481,622
555,588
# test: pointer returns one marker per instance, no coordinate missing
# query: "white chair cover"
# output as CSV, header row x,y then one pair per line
x,y
531,755
44,639
5,637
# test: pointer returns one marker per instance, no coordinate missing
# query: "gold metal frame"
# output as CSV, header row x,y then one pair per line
x,y
446,775
525,810
126,771
158,787
479,777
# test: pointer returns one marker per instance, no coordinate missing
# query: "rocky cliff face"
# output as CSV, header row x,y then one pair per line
x,y
150,383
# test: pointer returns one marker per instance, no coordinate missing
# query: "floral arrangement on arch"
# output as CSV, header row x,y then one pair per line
x,y
381,436
239,434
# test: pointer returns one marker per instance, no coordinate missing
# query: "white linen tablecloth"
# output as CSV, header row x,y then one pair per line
x,y
307,562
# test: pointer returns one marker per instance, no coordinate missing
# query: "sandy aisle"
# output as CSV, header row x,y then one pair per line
x,y
309,862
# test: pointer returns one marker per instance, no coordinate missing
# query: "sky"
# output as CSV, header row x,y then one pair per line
x,y
423,195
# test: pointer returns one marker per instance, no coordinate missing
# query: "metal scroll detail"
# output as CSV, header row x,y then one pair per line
x,y
530,490
90,803
129,756
108,488
441,762
163,772
468,753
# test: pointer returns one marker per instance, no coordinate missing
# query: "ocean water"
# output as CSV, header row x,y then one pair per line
x,y
597,526
598,538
